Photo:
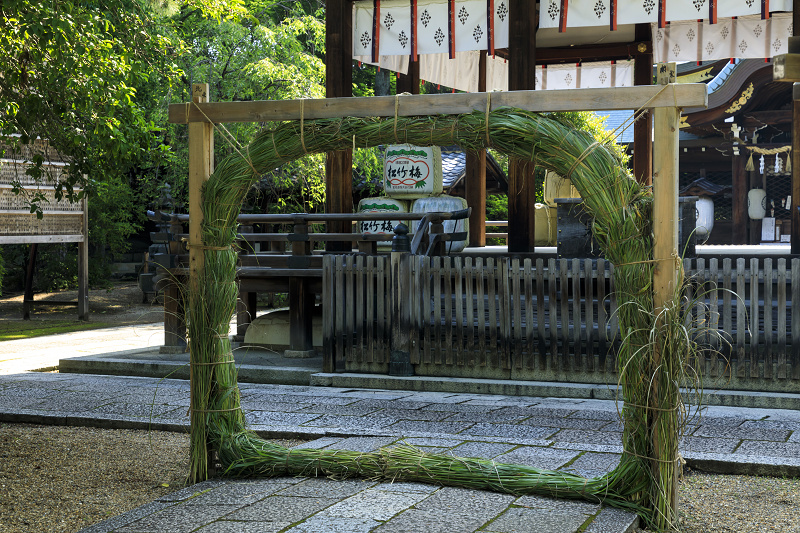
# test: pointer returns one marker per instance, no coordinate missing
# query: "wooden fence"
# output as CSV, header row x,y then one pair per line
x,y
554,319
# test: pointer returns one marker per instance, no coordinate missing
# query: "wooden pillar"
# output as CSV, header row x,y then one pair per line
x,y
521,76
475,178
301,299
643,128
739,192
339,83
666,273
83,265
409,83
201,165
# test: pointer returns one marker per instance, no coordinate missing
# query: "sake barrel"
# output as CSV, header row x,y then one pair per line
x,y
440,203
705,216
412,171
546,222
557,187
381,205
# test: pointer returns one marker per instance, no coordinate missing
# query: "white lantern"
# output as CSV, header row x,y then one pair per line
x,y
757,203
705,216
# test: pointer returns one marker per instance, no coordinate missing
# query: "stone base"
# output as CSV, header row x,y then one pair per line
x,y
172,349
300,354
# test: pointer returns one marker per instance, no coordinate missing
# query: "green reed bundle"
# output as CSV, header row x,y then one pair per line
x,y
621,211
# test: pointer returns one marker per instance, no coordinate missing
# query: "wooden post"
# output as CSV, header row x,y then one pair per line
x,y
521,75
399,348
201,165
409,83
475,179
301,299
643,128
739,183
338,83
83,265
666,262
27,299
755,182
795,159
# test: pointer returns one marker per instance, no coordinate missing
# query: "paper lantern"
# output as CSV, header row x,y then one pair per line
x,y
757,204
705,216
441,203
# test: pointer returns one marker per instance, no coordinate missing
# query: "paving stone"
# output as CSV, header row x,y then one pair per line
x,y
178,519
555,504
319,443
584,447
769,449
393,404
112,524
524,520
322,523
405,426
511,431
227,526
338,421
616,427
416,414
350,410
590,437
547,411
764,434
794,437
327,488
240,493
612,520
476,504
278,419
142,411
701,444
293,407
405,486
594,462
543,458
418,521
192,490
482,450
374,504
281,509
431,441
790,425
362,444
597,414
365,394
566,423
462,407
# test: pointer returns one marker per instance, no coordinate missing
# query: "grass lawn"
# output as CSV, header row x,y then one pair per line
x,y
26,329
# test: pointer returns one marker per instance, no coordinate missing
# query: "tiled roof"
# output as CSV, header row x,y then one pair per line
x,y
454,165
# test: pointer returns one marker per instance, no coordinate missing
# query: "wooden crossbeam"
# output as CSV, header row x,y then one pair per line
x,y
618,98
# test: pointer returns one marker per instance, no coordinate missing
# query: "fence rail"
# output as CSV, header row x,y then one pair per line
x,y
555,319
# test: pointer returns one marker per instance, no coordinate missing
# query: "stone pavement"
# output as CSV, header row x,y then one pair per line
x,y
581,436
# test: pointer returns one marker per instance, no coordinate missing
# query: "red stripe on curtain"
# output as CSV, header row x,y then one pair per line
x,y
414,56
764,9
490,25
613,15
451,26
712,11
562,21
662,13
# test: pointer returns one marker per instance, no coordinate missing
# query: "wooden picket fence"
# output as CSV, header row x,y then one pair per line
x,y
554,319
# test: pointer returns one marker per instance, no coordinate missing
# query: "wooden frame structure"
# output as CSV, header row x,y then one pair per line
x,y
661,99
